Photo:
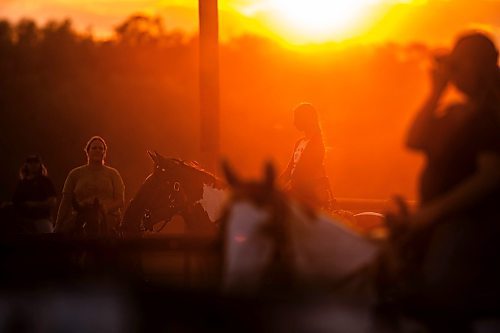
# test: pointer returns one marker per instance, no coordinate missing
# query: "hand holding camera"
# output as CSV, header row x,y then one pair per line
x,y
440,74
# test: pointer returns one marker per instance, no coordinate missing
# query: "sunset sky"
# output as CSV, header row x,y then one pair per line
x,y
361,48
290,21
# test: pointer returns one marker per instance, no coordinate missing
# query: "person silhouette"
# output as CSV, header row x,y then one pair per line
x,y
456,228
89,185
35,196
305,177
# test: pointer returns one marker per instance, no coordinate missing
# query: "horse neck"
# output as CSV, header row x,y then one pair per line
x,y
281,268
253,239
197,221
211,200
132,216
200,188
204,208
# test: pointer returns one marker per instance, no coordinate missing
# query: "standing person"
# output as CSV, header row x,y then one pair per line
x,y
35,197
456,229
305,176
91,184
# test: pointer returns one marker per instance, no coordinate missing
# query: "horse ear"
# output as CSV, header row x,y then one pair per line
x,y
269,174
231,177
159,156
153,156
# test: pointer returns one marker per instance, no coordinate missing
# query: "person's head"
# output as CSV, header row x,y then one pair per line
x,y
305,118
32,167
96,150
473,63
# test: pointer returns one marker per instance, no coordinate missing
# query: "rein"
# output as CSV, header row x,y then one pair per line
x,y
148,225
169,190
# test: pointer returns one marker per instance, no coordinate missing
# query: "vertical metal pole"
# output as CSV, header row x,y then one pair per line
x,y
209,82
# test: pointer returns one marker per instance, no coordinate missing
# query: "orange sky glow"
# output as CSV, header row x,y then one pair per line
x,y
363,63
294,22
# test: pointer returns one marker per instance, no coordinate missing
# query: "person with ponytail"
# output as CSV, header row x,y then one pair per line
x,y
305,177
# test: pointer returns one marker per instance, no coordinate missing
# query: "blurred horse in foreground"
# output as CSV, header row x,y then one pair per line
x,y
272,242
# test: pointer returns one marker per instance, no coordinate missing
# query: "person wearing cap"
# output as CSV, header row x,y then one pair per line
x,y
35,196
456,229
91,183
305,177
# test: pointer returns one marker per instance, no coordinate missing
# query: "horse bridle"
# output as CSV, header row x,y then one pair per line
x,y
172,200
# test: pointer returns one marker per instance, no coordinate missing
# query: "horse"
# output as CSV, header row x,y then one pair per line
x,y
272,242
176,187
89,220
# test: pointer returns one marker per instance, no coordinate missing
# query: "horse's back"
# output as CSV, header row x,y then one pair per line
x,y
326,249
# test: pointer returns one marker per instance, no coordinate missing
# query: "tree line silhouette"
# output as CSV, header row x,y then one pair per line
x,y
139,89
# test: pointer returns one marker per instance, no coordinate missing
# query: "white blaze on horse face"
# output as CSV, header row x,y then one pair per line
x,y
248,251
212,201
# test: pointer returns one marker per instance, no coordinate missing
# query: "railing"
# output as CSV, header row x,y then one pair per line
x,y
368,205
176,261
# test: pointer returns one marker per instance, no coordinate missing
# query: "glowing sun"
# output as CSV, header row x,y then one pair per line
x,y
317,20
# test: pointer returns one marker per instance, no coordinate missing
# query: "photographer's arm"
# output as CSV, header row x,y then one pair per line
x,y
422,126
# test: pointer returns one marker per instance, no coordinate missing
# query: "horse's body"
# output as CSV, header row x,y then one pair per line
x,y
269,237
174,188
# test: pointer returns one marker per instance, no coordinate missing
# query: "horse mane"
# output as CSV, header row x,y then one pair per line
x,y
195,166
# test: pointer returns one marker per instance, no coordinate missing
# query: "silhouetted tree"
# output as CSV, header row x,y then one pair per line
x,y
27,33
6,34
140,30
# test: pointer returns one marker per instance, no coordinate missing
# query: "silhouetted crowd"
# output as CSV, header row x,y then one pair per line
x,y
91,188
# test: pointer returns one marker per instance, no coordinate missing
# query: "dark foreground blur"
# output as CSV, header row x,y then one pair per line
x,y
168,284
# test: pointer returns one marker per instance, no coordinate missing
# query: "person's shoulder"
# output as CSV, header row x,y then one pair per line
x,y
316,140
317,137
454,110
77,171
47,183
111,170
73,177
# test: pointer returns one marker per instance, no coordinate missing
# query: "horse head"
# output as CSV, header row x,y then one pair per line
x,y
159,198
175,187
254,234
